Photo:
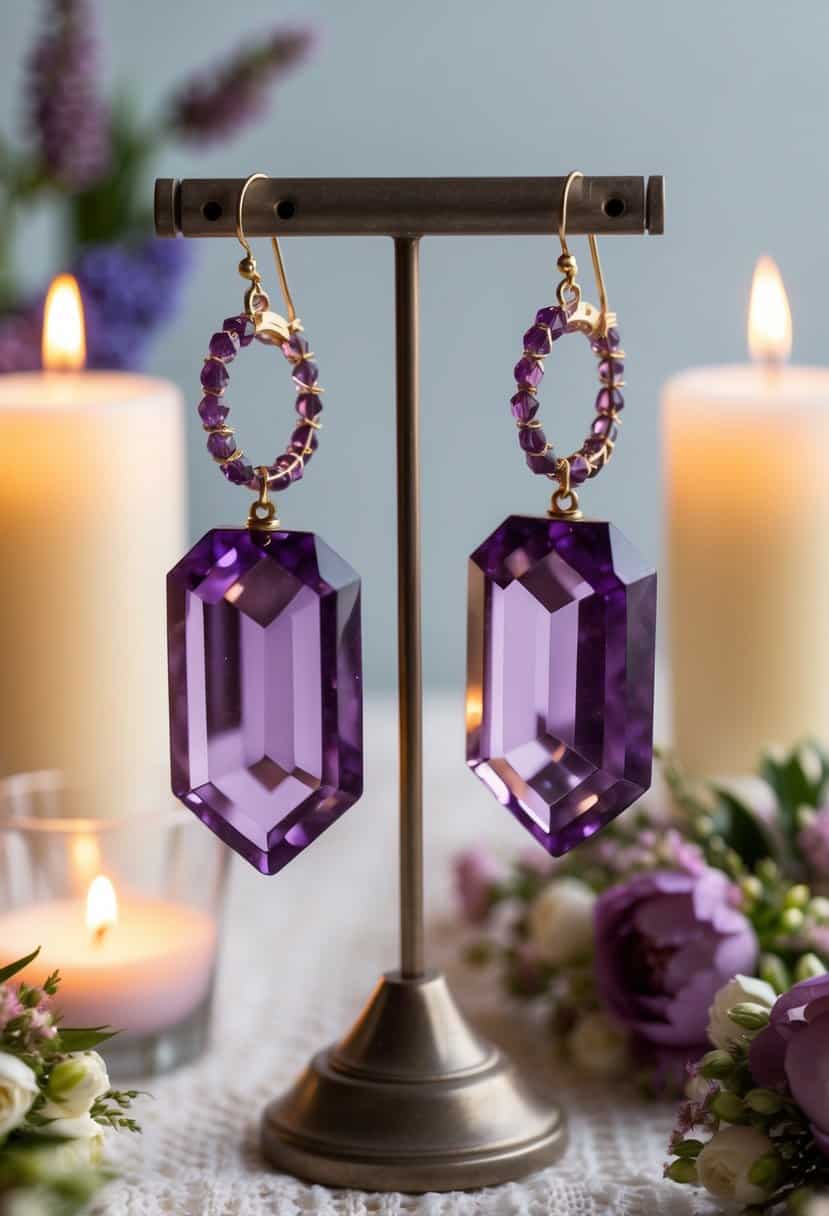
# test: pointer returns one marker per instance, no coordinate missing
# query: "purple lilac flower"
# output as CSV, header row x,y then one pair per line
x,y
231,93
66,116
666,942
10,1006
477,874
20,340
813,842
794,1049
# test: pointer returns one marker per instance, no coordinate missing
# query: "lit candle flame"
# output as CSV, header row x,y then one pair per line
x,y
64,338
101,908
769,316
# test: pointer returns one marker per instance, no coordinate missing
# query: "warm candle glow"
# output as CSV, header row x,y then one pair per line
x,y
769,317
64,338
101,907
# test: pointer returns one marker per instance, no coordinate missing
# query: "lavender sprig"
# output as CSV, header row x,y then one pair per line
x,y
67,118
215,103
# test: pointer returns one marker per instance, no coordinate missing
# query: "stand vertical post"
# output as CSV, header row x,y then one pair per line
x,y
409,652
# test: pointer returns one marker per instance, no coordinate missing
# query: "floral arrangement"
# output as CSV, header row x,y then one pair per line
x,y
89,154
628,940
55,1103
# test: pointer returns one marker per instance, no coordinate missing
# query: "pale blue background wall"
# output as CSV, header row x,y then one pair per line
x,y
728,100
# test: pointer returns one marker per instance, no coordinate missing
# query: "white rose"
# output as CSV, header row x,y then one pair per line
x,y
74,1084
599,1047
724,1163
561,921
724,1033
18,1090
84,1143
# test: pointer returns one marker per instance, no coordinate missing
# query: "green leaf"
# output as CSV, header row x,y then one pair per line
x,y
12,969
741,829
85,1039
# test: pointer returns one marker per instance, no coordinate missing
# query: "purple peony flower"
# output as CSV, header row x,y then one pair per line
x,y
67,118
220,100
477,873
813,841
794,1048
666,941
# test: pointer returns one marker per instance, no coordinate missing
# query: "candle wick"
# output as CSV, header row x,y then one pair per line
x,y
99,934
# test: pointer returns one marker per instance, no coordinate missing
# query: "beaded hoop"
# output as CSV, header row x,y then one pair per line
x,y
551,323
224,345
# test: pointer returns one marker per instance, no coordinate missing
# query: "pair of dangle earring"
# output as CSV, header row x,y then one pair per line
x,y
263,628
562,613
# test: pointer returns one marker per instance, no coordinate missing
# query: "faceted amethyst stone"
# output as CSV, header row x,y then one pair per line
x,y
306,373
214,376
529,371
308,405
611,369
242,327
212,410
265,689
221,446
542,462
532,439
224,345
579,470
608,343
554,318
238,472
562,618
296,347
524,406
537,340
285,469
304,437
605,428
609,401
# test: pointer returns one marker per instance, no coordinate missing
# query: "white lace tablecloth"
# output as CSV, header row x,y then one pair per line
x,y
302,951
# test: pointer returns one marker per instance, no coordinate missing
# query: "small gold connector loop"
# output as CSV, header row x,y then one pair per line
x,y
262,516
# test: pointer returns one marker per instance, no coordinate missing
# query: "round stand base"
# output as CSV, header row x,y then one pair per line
x,y
411,1100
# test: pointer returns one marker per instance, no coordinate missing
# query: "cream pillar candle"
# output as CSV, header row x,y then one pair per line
x,y
747,550
92,509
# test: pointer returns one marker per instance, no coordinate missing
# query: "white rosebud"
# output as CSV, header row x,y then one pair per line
x,y
18,1090
724,1033
561,921
810,763
74,1084
723,1165
599,1047
84,1145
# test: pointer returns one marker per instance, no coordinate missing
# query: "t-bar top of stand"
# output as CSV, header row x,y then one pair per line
x,y
409,206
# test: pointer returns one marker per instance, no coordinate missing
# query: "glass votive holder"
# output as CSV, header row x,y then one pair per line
x,y
127,909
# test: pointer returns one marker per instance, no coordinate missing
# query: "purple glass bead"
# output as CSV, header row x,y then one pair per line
x,y
242,327
608,343
542,462
592,445
537,340
306,372
605,428
554,318
609,401
238,472
265,689
611,370
221,446
296,347
214,376
304,437
562,618
212,410
532,439
224,345
284,470
308,405
524,406
529,371
579,470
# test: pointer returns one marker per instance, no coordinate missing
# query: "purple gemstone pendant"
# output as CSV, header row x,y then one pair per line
x,y
265,689
562,625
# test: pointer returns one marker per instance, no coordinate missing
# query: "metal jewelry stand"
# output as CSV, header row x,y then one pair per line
x,y
411,1099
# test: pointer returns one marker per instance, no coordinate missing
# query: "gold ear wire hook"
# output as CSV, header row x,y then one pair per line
x,y
567,263
249,270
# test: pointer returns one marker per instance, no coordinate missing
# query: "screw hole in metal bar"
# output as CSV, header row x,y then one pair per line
x,y
614,208
212,211
285,209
